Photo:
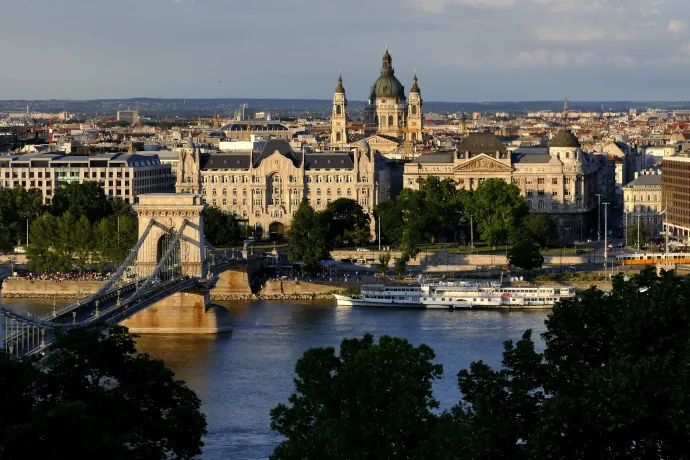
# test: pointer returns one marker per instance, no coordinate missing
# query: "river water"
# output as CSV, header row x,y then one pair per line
x,y
241,375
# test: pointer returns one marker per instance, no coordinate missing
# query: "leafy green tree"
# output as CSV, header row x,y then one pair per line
x,y
497,208
346,220
17,206
525,255
536,228
41,250
384,262
308,238
390,215
633,233
221,228
371,401
87,198
445,208
610,383
83,239
89,402
401,264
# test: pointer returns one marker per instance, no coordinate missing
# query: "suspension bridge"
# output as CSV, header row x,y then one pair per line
x,y
171,260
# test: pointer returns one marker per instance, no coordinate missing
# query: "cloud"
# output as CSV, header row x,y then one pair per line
x,y
573,6
685,48
622,62
440,6
582,34
551,58
676,25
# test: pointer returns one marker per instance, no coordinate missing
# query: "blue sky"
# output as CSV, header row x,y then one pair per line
x,y
463,50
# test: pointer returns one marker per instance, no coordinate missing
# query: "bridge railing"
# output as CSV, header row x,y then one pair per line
x,y
129,261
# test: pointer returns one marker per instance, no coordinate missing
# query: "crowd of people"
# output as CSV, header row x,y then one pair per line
x,y
61,277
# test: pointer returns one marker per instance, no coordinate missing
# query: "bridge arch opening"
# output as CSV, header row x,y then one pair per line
x,y
276,230
164,243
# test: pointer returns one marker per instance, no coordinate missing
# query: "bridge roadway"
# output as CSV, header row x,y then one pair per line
x,y
31,335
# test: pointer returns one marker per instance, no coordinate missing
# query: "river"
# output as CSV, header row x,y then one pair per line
x,y
241,375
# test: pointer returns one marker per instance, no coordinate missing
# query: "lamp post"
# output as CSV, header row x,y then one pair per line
x,y
606,234
598,217
638,231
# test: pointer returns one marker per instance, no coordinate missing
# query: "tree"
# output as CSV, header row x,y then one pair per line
x,y
536,228
89,402
636,229
445,208
390,216
497,207
372,401
83,237
384,262
308,238
346,220
86,198
221,228
41,250
526,255
610,383
401,264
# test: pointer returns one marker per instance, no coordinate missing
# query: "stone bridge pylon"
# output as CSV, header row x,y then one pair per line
x,y
187,311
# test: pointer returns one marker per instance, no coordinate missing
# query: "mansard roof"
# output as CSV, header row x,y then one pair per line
x,y
280,145
330,160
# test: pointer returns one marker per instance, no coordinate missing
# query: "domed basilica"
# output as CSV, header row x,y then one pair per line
x,y
388,112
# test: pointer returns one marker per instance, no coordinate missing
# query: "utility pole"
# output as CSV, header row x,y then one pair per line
x,y
638,232
471,232
379,232
606,234
27,232
598,217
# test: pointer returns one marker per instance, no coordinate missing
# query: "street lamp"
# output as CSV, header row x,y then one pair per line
x,y
598,217
606,234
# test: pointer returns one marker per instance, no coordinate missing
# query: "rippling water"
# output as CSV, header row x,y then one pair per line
x,y
241,376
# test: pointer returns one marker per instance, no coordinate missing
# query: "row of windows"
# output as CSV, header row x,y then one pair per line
x,y
541,205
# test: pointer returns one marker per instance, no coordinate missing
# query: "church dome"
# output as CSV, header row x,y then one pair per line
x,y
387,85
565,138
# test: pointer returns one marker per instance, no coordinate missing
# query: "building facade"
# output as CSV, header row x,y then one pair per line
x,y
122,175
643,200
265,187
561,180
675,188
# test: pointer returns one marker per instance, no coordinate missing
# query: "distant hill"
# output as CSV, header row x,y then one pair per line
x,y
302,107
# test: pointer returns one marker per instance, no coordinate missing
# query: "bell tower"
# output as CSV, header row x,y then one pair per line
x,y
415,121
339,117
188,171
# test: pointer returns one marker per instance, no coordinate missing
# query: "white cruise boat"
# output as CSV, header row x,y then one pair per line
x,y
459,294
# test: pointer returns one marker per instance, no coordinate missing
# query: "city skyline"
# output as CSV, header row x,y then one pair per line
x,y
463,50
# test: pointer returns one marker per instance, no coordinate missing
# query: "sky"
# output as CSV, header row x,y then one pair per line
x,y
463,50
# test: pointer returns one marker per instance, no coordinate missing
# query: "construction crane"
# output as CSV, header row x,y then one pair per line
x,y
406,143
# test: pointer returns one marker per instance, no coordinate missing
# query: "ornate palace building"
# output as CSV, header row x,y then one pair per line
x,y
561,180
390,118
266,185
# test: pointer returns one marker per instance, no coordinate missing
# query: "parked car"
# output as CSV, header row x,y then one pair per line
x,y
363,249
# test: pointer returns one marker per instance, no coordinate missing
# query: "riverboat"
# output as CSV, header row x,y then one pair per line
x,y
459,294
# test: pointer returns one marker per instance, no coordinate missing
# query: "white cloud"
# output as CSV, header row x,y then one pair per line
x,y
676,25
439,6
582,34
620,61
549,58
685,48
573,6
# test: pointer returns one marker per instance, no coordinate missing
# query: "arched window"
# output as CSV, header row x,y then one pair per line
x,y
567,154
414,136
390,120
338,110
337,137
414,110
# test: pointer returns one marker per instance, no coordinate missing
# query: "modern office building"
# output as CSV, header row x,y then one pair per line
x,y
122,175
675,188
